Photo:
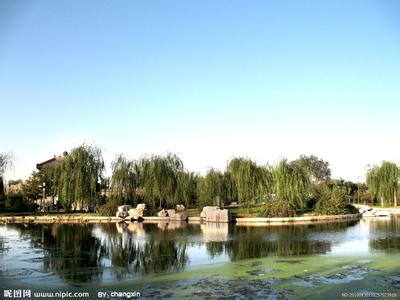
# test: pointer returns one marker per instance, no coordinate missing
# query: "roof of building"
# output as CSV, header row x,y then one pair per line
x,y
41,165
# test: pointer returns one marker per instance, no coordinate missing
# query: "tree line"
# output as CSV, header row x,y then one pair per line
x,y
284,189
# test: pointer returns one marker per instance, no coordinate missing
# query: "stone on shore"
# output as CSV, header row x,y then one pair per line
x,y
122,214
176,216
122,211
180,207
139,212
162,213
172,214
124,208
215,214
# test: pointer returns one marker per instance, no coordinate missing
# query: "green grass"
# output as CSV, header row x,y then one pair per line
x,y
193,212
241,212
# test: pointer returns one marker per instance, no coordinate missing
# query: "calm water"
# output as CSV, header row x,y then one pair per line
x,y
74,255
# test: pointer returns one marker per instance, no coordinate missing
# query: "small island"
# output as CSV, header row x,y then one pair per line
x,y
73,188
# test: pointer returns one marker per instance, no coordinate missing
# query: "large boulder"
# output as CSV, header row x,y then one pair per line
x,y
215,214
122,214
124,208
173,215
162,213
180,207
139,212
141,206
177,216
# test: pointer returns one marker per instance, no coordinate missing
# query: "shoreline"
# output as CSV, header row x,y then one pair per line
x,y
296,220
250,221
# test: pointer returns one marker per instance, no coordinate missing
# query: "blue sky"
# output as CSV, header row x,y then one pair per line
x,y
204,79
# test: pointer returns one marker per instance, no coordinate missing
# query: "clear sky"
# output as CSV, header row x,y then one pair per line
x,y
207,80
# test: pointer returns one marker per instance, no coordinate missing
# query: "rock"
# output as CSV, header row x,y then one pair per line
x,y
180,207
141,206
179,216
170,212
176,216
139,212
135,213
162,213
124,208
215,214
122,214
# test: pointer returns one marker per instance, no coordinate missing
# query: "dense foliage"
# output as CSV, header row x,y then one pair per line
x,y
383,181
252,182
291,183
284,189
317,168
5,163
333,201
278,208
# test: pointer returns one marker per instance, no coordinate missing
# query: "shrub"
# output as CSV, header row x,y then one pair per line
x,y
108,209
16,201
279,208
334,204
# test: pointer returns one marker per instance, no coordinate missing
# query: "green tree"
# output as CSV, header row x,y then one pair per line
x,y
159,178
209,188
79,174
185,192
5,163
252,182
124,180
333,201
383,181
291,183
228,188
317,167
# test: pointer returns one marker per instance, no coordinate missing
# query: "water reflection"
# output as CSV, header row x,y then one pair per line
x,y
71,251
386,235
214,232
85,253
269,241
130,254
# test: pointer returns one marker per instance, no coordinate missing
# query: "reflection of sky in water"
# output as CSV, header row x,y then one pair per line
x,y
22,255
198,256
21,261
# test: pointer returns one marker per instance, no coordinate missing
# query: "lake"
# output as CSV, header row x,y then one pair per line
x,y
178,260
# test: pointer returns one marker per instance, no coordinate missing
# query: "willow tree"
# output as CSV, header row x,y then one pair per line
x,y
228,188
291,183
5,163
318,168
79,176
209,188
124,180
185,192
159,177
252,182
383,181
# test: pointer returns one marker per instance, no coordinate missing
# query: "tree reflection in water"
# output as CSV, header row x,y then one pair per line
x,y
255,242
83,253
143,256
70,250
388,229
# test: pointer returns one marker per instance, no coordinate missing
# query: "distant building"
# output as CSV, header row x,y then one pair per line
x,y
47,203
13,186
49,162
